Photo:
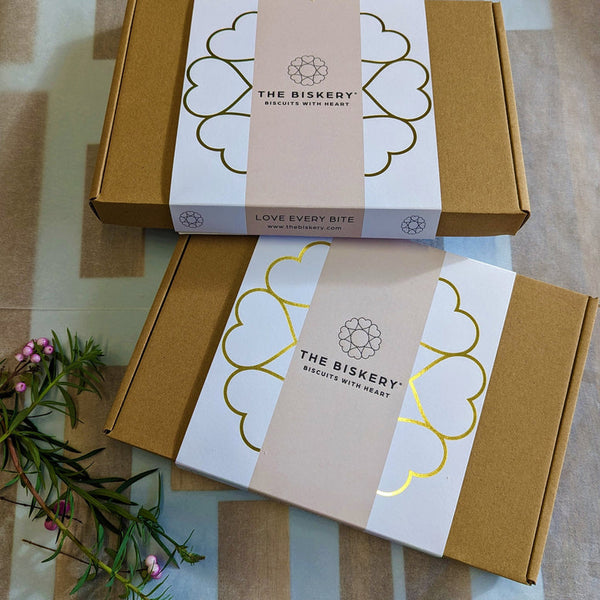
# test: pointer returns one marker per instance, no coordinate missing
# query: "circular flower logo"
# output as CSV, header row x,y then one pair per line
x,y
307,70
359,338
413,225
191,219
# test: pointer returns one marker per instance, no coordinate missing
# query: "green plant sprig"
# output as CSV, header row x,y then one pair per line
x,y
57,476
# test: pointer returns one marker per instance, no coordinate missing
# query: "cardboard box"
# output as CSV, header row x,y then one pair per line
x,y
307,119
482,177
505,504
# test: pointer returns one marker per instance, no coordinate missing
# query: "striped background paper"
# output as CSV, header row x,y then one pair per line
x,y
59,267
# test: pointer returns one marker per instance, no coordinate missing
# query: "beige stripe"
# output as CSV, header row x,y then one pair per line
x,y
7,519
14,327
107,32
553,225
365,566
576,43
430,578
108,250
18,20
182,480
114,461
22,128
571,557
254,559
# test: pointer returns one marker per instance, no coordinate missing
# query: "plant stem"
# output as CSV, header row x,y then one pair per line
x,y
65,530
64,553
5,499
52,550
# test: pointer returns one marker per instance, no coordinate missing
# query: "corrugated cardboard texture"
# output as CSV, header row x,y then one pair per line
x,y
178,341
504,509
496,521
481,166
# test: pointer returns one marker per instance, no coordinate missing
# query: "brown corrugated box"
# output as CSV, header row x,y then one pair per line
x,y
481,165
506,502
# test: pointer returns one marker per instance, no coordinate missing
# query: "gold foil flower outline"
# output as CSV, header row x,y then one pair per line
x,y
388,114
235,101
425,421
229,109
262,366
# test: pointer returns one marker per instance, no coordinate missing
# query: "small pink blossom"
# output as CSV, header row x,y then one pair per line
x,y
48,349
50,525
31,344
19,356
153,567
35,358
61,511
43,342
20,387
156,572
27,351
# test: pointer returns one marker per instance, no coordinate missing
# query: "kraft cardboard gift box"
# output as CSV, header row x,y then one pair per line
x,y
307,410
481,172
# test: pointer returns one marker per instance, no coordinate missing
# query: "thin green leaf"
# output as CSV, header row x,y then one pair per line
x,y
144,513
12,481
112,495
129,482
57,551
69,404
121,551
83,579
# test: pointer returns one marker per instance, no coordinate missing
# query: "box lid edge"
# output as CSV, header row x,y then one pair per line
x,y
111,109
562,439
121,396
511,112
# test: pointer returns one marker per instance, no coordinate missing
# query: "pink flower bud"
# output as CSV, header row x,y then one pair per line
x,y
19,357
48,349
27,350
50,525
31,344
64,509
35,358
20,387
154,569
150,561
61,510
43,342
155,573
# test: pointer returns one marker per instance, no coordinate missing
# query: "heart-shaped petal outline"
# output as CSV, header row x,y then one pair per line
x,y
378,160
413,472
245,20
241,132
370,23
425,422
308,252
207,75
429,406
250,438
407,74
239,323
